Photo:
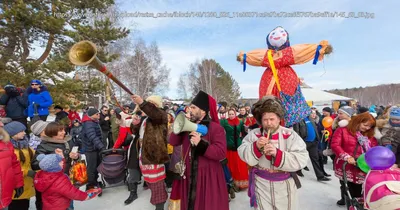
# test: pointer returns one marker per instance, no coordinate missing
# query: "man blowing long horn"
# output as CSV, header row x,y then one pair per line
x,y
202,186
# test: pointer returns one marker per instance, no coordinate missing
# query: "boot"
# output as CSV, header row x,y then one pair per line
x,y
132,187
160,206
341,202
232,193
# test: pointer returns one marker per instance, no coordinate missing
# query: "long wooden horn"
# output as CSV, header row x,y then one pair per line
x,y
84,53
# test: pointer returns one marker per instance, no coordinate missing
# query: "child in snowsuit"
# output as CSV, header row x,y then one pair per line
x,y
55,186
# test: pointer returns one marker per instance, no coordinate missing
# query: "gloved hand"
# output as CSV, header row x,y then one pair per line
x,y
18,192
31,174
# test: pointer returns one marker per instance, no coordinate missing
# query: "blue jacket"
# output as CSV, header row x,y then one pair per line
x,y
91,135
41,98
15,106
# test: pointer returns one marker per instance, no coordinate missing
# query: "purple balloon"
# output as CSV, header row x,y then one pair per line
x,y
380,158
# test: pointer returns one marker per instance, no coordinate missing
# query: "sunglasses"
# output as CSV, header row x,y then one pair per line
x,y
105,110
34,84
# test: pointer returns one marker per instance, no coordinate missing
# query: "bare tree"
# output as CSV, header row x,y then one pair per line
x,y
210,77
183,86
378,95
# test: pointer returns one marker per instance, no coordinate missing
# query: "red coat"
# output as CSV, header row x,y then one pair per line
x,y
343,144
73,116
211,192
10,173
57,190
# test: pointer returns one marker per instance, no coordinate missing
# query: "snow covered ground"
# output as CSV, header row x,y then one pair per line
x,y
313,195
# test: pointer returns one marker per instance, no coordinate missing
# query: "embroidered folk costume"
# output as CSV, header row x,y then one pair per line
x,y
234,129
272,183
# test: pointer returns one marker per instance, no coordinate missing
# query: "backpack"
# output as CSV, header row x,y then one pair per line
x,y
301,129
382,189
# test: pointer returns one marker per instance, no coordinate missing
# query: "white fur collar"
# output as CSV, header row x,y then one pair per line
x,y
343,123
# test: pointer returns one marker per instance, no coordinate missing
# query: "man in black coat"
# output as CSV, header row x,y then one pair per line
x,y
62,118
16,104
92,145
105,125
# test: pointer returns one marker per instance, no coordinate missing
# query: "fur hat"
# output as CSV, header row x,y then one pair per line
x,y
347,110
14,128
38,127
50,163
267,104
92,111
156,100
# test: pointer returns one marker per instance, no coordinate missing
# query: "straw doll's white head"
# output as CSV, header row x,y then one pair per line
x,y
278,39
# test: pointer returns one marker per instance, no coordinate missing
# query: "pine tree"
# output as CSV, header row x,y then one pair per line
x,y
36,36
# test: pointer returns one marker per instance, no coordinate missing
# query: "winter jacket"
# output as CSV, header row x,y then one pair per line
x,y
114,127
15,105
398,156
41,98
49,145
62,118
73,115
10,171
29,190
34,141
57,190
343,144
105,124
76,135
91,135
154,146
231,142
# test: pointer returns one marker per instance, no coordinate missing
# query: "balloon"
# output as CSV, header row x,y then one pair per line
x,y
380,158
362,164
327,122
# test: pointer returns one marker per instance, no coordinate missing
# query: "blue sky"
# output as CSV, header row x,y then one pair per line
x,y
365,51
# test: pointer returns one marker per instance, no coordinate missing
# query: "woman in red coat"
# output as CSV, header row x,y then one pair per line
x,y
348,143
11,177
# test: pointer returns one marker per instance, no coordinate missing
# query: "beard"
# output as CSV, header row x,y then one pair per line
x,y
195,117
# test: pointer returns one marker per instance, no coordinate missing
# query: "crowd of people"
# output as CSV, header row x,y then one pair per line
x,y
245,148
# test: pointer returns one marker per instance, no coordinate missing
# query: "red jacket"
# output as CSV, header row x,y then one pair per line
x,y
57,190
73,116
10,173
344,144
